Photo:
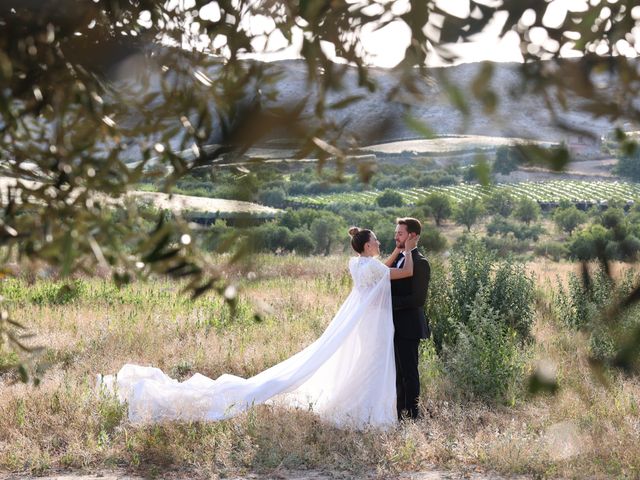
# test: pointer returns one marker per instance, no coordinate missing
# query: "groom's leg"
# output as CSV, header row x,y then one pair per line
x,y
407,358
401,399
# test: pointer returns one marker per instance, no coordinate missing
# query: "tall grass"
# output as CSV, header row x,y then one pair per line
x,y
589,429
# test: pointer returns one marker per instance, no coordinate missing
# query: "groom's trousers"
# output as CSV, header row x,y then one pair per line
x,y
407,378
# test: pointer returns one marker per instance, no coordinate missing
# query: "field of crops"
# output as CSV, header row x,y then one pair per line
x,y
553,191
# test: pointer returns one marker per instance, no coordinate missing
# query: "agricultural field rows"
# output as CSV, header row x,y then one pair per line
x,y
552,191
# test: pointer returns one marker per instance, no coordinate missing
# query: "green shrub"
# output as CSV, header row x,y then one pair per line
x,y
499,203
431,240
302,243
589,243
512,295
486,361
390,198
568,218
502,226
502,246
509,291
580,307
439,206
527,210
274,197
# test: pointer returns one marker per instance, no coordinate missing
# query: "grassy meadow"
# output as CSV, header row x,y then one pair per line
x,y
590,428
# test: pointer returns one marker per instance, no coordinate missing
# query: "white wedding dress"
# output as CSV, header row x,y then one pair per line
x,y
347,376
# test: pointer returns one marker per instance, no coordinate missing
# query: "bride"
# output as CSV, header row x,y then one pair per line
x,y
347,376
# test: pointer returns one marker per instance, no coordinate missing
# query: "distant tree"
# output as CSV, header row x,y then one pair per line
x,y
500,203
439,205
527,210
507,160
468,213
431,240
301,243
274,197
290,219
390,198
590,243
612,218
270,237
629,165
326,231
569,218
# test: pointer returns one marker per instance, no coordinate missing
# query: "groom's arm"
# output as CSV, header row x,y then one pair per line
x,y
419,287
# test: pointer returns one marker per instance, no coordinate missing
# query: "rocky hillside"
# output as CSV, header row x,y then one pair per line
x,y
521,116
376,119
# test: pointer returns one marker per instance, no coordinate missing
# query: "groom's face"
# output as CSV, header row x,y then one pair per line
x,y
401,235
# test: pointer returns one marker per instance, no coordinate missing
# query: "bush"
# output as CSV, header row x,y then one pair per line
x,y
468,213
508,288
580,308
552,250
390,198
328,231
269,237
431,240
503,226
527,210
507,160
503,246
274,197
629,166
579,305
439,206
569,218
485,362
512,296
301,243
589,244
499,203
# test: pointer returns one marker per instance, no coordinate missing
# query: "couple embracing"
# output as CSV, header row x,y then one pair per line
x,y
409,275
362,371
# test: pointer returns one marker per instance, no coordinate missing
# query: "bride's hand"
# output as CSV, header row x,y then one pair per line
x,y
410,243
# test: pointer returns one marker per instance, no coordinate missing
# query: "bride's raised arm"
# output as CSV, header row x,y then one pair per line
x,y
407,267
389,261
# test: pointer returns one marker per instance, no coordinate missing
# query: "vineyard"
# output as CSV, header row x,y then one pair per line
x,y
553,191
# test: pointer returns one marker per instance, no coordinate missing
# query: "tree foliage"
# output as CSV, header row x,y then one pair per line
x,y
390,198
468,213
527,210
439,206
629,166
569,218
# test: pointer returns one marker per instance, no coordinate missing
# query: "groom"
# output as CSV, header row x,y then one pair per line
x,y
408,296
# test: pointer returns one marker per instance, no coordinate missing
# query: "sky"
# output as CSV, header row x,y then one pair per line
x,y
385,47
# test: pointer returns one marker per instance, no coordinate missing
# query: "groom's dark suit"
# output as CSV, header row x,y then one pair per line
x,y
408,296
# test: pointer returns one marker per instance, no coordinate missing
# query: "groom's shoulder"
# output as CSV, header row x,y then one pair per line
x,y
420,257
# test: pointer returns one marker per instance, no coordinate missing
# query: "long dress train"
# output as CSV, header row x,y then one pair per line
x,y
347,376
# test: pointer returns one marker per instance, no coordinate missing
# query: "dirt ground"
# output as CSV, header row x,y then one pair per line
x,y
288,475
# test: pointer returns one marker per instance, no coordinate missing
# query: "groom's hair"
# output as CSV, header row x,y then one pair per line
x,y
413,224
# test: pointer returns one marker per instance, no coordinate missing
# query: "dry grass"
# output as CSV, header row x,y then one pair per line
x,y
588,429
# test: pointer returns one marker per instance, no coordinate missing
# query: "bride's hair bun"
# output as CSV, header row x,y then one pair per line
x,y
359,236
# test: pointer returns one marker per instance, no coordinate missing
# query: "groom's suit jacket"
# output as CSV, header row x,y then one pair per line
x,y
408,296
